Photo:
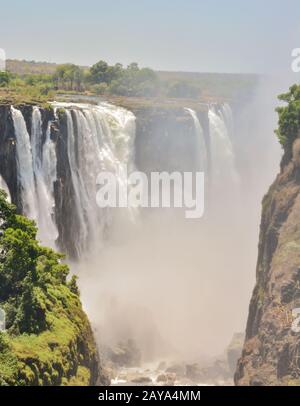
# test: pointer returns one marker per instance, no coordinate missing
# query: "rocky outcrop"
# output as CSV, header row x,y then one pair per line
x,y
271,353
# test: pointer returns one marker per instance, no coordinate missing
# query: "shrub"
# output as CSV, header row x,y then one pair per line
x,y
289,117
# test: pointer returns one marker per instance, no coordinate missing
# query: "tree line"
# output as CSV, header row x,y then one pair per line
x,y
100,79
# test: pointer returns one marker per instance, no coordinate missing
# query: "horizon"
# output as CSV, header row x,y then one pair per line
x,y
156,70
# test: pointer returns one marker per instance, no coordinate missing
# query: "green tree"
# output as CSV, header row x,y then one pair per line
x,y
100,72
69,77
26,271
4,78
289,116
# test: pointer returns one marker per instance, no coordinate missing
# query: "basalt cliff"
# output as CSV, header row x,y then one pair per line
x,y
271,353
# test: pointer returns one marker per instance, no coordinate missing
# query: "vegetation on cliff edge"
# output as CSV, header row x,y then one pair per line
x,y
289,117
48,339
29,81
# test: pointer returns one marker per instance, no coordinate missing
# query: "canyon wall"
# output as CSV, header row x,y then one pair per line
x,y
271,350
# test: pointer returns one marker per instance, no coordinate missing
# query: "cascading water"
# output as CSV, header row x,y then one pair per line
x,y
226,113
223,169
36,174
44,168
202,156
24,165
100,138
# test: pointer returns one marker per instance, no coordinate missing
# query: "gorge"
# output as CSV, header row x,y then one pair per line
x,y
49,160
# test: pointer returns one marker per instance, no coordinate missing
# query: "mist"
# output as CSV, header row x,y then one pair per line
x,y
181,288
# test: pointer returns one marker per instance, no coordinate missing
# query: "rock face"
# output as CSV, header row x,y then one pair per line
x,y
125,353
165,139
271,353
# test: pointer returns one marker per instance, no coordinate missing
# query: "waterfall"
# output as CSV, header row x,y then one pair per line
x,y
24,165
222,179
44,167
36,165
202,159
100,138
227,116
223,168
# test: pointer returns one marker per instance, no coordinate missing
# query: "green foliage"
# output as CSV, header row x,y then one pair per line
x,y
48,340
289,117
32,82
5,78
130,81
102,72
135,82
101,78
68,77
73,285
8,362
99,88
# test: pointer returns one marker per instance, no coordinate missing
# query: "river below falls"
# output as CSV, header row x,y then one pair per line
x,y
151,375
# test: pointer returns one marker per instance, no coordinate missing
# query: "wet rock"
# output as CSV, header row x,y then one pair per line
x,y
125,353
166,379
178,369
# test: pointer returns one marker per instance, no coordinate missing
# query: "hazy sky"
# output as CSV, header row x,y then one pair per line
x,y
191,35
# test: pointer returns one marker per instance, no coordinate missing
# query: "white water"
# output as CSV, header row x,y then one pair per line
x,y
202,155
24,165
36,174
224,176
44,167
105,139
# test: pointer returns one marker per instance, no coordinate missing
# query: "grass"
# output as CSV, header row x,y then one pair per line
x,y
27,95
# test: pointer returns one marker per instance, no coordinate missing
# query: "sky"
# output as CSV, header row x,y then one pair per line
x,y
236,36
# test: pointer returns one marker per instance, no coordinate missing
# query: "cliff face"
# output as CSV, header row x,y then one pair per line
x,y
271,353
165,139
